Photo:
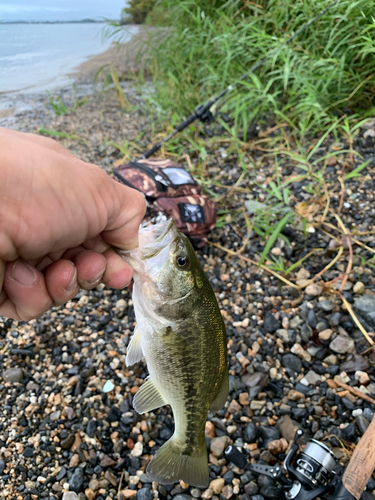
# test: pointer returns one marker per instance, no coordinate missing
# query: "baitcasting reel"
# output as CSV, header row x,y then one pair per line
x,y
310,472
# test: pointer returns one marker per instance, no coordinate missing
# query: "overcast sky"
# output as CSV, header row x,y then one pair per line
x,y
61,10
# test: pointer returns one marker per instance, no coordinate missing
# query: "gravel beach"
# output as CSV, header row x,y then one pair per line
x,y
296,356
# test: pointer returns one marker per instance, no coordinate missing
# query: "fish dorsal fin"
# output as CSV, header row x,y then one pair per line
x,y
221,397
135,353
148,398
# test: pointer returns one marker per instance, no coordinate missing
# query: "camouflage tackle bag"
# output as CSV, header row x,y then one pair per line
x,y
172,190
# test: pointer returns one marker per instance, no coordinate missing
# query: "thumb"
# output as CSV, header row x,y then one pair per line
x,y
123,225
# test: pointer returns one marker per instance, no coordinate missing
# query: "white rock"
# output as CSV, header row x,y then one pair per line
x,y
108,387
137,450
357,412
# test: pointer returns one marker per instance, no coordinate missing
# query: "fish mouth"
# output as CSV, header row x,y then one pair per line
x,y
152,240
161,238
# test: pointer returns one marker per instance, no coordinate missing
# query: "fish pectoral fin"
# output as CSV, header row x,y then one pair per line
x,y
148,398
135,353
171,464
222,395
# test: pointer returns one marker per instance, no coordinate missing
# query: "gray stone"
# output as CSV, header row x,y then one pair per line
x,y
13,375
312,377
270,324
368,414
365,308
354,364
67,442
362,424
251,488
55,415
306,332
287,427
255,379
32,386
145,494
291,361
342,344
76,480
325,305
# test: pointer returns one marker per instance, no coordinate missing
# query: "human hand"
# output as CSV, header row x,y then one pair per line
x,y
59,217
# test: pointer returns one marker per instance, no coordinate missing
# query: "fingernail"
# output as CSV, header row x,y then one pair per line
x,y
96,280
73,282
127,284
23,273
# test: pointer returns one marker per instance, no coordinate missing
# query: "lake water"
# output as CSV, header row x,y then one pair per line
x,y
38,56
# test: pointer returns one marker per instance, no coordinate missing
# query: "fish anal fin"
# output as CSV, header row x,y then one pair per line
x,y
135,353
170,465
221,397
148,398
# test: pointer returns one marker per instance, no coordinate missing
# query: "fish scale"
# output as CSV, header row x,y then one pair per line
x,y
183,339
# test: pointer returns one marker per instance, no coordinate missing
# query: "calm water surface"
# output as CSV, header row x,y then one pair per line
x,y
40,55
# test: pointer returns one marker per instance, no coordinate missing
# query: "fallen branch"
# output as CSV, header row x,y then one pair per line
x,y
236,254
334,383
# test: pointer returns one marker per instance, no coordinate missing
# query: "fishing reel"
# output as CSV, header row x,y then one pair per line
x,y
305,475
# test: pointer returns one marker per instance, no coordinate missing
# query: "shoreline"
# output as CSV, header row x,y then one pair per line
x,y
127,58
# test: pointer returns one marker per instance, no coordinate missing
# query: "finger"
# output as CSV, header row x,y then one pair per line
x,y
2,273
91,267
97,244
62,281
123,225
27,293
118,273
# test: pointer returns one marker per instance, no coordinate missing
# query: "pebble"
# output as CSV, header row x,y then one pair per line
x,y
342,344
311,378
325,305
359,287
207,494
218,445
55,415
216,486
270,324
291,361
145,494
257,405
365,308
70,495
108,387
355,363
314,290
325,334
76,481
90,494
137,450
13,375
362,377
234,407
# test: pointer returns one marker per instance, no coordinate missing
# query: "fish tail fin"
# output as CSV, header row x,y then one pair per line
x,y
170,465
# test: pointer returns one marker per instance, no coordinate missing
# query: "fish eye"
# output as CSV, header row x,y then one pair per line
x,y
182,261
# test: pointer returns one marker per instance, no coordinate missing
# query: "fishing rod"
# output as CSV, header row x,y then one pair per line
x,y
203,111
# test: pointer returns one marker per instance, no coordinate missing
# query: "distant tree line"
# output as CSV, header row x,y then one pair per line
x,y
136,11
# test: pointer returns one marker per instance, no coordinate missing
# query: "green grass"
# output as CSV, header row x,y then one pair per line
x,y
59,107
326,73
322,86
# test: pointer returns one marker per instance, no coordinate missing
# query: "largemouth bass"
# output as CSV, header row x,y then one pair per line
x,y
181,334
